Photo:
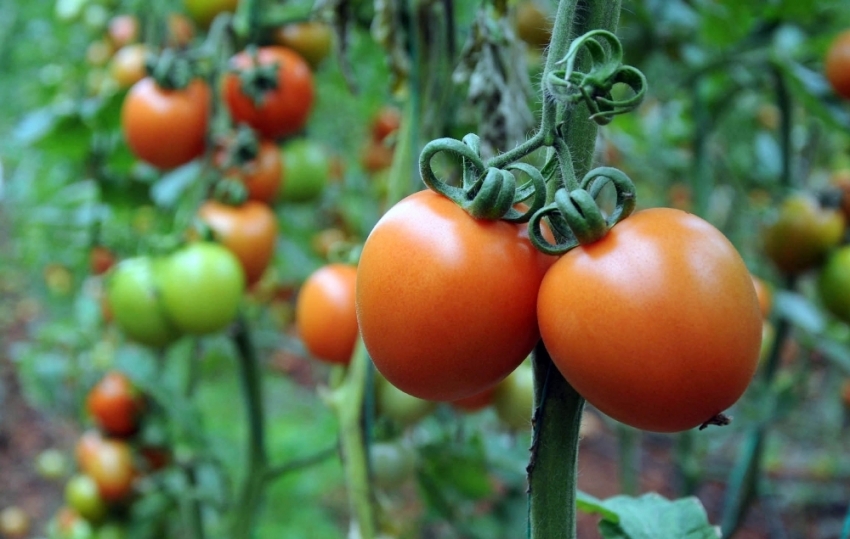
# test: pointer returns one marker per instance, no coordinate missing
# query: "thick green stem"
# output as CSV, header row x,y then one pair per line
x,y
347,401
257,462
552,469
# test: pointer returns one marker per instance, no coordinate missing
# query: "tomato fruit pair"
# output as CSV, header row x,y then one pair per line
x,y
249,231
306,167
657,324
446,304
166,128
325,315
802,234
116,405
281,111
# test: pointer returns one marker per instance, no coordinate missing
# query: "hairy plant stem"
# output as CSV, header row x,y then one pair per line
x,y
257,462
347,402
557,406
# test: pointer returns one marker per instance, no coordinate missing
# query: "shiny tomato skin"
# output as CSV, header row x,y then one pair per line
x,y
802,234
657,324
263,175
446,303
249,231
201,286
325,315
115,404
284,110
166,128
837,64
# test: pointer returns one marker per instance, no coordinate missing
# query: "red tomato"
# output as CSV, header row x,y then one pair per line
x,y
657,324
325,315
446,303
376,156
115,404
249,231
386,122
837,64
166,128
263,175
100,260
283,110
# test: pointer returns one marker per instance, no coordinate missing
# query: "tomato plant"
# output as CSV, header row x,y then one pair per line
x,y
263,175
134,301
657,324
279,111
306,167
802,234
446,303
163,127
82,495
324,313
249,231
204,11
201,286
837,64
115,404
313,40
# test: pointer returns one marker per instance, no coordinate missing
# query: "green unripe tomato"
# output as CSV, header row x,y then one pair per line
x,y
204,11
514,398
51,464
398,406
802,234
834,284
306,170
392,463
82,494
136,306
201,286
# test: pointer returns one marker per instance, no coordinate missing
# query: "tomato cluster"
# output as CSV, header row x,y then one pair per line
x,y
657,324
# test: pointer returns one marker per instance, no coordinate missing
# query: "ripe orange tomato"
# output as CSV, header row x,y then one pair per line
x,y
802,234
249,231
263,175
324,313
657,324
837,64
127,66
446,303
166,128
283,110
313,40
115,404
111,466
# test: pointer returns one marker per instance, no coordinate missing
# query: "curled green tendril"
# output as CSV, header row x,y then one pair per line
x,y
486,192
574,217
594,87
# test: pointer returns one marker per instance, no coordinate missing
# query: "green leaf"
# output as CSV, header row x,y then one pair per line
x,y
167,191
650,516
458,469
800,311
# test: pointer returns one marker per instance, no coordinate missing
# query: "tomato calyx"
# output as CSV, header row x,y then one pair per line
x,y
594,87
258,79
720,420
172,70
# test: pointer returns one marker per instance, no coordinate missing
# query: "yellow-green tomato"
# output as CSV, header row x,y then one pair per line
x,y
134,300
82,494
398,406
802,234
834,284
514,398
201,286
